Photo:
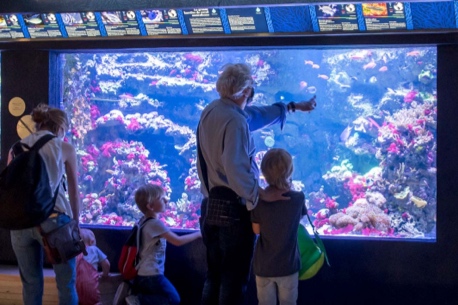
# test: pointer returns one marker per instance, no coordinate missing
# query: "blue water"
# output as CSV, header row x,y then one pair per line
x,y
365,158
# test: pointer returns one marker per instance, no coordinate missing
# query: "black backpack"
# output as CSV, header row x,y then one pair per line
x,y
26,198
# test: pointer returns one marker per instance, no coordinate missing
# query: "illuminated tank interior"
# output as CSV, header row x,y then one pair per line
x,y
365,158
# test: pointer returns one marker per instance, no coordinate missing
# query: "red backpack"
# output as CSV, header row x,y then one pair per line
x,y
130,252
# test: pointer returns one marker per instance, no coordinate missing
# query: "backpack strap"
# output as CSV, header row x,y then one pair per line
x,y
18,147
42,141
139,239
39,144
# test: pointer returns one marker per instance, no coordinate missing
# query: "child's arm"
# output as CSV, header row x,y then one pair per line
x,y
256,228
177,240
105,264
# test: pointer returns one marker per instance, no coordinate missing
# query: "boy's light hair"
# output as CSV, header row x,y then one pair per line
x,y
233,80
88,237
277,168
146,194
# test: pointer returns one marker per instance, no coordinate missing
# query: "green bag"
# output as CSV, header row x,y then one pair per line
x,y
312,252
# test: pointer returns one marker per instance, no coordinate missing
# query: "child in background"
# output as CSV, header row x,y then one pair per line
x,y
94,256
87,275
276,258
150,284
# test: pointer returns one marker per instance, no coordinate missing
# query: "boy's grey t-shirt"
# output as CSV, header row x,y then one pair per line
x,y
276,253
152,254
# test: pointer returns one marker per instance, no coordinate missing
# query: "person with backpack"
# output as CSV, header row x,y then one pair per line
x,y
60,160
276,261
151,286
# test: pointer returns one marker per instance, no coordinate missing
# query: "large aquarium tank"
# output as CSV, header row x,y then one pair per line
x,y
365,158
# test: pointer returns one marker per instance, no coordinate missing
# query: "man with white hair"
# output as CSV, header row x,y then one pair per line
x,y
227,167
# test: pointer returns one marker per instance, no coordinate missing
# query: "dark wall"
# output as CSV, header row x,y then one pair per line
x,y
25,74
362,272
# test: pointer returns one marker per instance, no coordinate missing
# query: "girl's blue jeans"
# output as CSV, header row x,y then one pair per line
x,y
28,247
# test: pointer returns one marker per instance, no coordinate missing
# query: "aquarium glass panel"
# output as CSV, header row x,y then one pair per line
x,y
365,158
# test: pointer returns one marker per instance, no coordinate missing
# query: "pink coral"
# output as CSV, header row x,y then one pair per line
x,y
133,125
320,222
356,188
85,162
107,149
120,119
393,149
410,96
95,112
194,58
331,203
345,230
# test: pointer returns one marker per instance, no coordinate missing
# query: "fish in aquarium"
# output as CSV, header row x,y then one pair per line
x,y
365,158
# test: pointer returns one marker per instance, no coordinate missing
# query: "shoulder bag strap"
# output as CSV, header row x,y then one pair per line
x,y
318,240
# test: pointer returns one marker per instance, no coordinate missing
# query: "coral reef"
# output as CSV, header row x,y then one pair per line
x,y
364,218
366,158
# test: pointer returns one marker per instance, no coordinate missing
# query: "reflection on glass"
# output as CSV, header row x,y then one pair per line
x,y
365,158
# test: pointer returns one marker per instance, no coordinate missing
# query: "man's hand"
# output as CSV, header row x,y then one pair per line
x,y
306,105
272,194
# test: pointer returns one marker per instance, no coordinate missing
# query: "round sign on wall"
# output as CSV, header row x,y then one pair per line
x,y
25,126
16,106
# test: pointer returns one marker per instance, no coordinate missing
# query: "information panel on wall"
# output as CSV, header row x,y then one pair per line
x,y
120,23
42,25
337,17
247,20
203,21
81,24
384,16
10,27
161,22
